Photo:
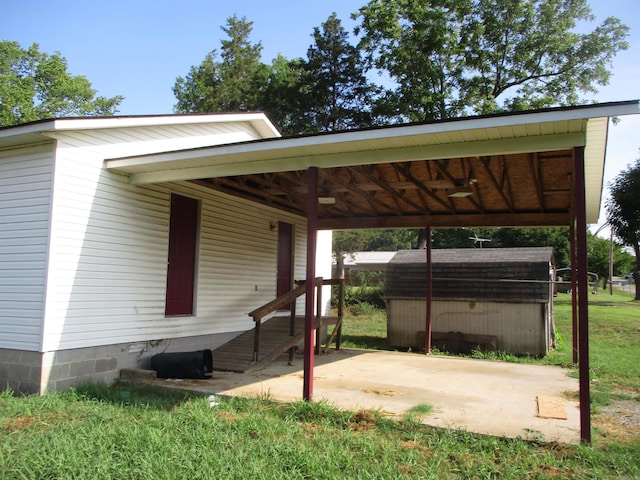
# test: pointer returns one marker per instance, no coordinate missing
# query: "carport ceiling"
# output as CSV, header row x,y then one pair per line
x,y
485,190
500,170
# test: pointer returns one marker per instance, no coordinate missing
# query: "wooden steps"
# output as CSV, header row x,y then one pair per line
x,y
237,355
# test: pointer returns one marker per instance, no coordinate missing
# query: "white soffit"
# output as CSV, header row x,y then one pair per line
x,y
594,158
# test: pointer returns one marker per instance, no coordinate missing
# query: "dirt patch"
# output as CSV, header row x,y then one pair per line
x,y
362,420
413,445
616,304
375,391
11,425
620,420
231,416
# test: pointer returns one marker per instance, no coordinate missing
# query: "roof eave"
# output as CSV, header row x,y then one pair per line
x,y
40,130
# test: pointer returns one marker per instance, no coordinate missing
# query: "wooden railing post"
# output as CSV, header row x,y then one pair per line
x,y
289,299
319,284
340,312
256,339
292,327
337,331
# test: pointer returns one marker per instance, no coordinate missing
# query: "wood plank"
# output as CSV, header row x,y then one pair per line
x,y
237,355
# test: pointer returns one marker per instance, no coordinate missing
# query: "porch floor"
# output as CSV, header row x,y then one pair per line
x,y
237,355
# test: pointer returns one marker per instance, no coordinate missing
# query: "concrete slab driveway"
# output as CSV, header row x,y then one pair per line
x,y
487,397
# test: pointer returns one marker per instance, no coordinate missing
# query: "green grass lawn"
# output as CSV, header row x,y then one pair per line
x,y
614,343
122,432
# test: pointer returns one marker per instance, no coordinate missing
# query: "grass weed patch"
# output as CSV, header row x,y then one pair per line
x,y
126,432
80,435
366,330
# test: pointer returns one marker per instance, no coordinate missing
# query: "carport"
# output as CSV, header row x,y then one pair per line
x,y
525,169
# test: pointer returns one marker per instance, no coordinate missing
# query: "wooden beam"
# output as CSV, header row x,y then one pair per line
x,y
497,185
534,168
406,172
387,188
281,203
536,219
476,191
368,196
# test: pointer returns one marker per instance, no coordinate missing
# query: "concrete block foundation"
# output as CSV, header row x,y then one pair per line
x,y
26,372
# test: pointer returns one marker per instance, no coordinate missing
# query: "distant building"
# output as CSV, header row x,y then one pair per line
x,y
371,264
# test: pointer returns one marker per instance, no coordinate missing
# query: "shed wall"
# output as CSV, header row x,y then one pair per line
x,y
519,328
25,194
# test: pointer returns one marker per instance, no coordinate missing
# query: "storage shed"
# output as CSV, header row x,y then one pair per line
x,y
493,298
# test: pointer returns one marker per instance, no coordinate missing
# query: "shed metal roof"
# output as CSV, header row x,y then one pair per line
x,y
514,275
477,255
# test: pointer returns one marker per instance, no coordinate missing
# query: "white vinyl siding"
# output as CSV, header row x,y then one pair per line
x,y
113,291
25,195
107,274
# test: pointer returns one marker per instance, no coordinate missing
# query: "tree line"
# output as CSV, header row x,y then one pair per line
x,y
439,59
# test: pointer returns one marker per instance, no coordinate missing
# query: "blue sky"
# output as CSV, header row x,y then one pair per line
x,y
137,48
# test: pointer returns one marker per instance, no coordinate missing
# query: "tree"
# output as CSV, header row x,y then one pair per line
x,y
283,94
339,95
231,84
599,258
453,57
35,85
418,46
346,242
623,213
327,91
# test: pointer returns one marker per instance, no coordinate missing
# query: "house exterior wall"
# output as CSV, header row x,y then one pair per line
x,y
520,328
236,272
25,196
92,250
107,273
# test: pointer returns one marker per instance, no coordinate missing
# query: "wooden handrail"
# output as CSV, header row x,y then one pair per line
x,y
278,303
289,299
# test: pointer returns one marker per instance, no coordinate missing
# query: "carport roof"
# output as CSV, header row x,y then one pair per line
x,y
500,170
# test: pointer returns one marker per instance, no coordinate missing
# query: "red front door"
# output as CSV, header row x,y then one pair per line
x,y
183,229
285,258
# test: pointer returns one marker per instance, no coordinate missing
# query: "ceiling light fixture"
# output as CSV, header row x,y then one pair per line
x,y
463,188
461,192
327,200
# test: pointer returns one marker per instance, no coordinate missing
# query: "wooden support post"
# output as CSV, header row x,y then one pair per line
x,y
312,231
583,297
